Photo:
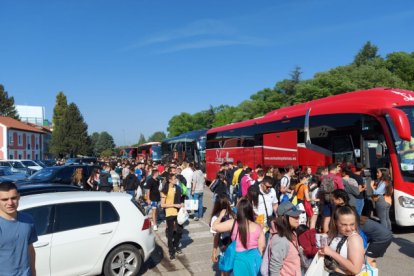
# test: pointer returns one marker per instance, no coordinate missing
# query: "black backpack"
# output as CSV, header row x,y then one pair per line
x,y
105,179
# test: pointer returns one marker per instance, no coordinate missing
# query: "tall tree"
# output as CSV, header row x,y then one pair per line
x,y
59,134
7,107
179,124
77,140
105,142
368,53
141,139
157,136
94,140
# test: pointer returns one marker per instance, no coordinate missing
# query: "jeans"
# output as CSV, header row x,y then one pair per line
x,y
199,212
174,232
383,212
131,192
359,205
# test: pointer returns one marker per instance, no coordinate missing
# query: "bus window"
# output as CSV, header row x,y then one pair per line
x,y
337,133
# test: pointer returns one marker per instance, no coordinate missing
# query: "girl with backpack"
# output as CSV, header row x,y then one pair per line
x,y
249,237
221,240
282,254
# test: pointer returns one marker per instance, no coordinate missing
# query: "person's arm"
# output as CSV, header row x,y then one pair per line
x,y
307,197
221,227
261,242
216,239
32,256
353,263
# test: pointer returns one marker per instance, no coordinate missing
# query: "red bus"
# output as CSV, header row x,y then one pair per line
x,y
370,126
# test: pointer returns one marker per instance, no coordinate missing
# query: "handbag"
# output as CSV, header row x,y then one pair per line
x,y
308,208
191,204
226,262
182,216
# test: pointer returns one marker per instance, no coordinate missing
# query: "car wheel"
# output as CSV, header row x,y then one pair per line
x,y
124,260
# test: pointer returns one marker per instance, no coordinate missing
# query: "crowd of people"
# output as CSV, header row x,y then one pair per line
x,y
277,221
281,221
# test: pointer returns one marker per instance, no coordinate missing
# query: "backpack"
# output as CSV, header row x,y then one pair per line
x,y
327,187
105,179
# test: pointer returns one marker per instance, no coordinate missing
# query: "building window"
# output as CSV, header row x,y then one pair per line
x,y
37,156
11,142
20,139
20,156
11,156
28,156
28,146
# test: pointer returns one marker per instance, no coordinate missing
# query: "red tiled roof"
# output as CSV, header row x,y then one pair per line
x,y
15,124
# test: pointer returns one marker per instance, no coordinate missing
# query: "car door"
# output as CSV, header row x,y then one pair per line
x,y
43,223
80,238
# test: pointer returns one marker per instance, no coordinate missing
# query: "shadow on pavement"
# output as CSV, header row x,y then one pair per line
x,y
156,257
406,246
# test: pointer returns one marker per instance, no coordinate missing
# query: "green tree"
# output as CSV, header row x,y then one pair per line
x,y
77,141
402,65
105,142
368,53
141,139
107,153
179,124
7,107
94,140
59,134
157,136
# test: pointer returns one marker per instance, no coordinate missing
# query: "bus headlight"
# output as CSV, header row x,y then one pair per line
x,y
406,202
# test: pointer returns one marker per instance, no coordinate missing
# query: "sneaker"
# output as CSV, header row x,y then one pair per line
x,y
178,251
155,228
172,257
196,219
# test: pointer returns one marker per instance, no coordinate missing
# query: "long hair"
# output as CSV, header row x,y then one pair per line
x,y
94,173
284,229
78,175
338,212
221,203
386,178
244,215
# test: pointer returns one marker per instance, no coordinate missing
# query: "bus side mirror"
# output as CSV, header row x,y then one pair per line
x,y
401,123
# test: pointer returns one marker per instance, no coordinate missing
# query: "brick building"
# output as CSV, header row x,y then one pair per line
x,y
19,140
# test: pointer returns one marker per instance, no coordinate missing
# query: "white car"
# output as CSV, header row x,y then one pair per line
x,y
89,233
21,165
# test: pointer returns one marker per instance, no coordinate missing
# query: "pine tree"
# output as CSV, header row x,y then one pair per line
x,y
59,134
77,140
7,107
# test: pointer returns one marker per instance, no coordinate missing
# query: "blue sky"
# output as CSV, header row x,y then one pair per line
x,y
131,65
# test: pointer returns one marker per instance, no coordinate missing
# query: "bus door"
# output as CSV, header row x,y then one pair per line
x,y
280,149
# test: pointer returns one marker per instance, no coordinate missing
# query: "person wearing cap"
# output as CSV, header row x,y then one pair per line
x,y
284,255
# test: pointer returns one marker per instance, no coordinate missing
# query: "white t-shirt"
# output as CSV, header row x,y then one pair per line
x,y
285,181
188,175
269,199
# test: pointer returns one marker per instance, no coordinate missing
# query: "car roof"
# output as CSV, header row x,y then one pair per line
x,y
65,197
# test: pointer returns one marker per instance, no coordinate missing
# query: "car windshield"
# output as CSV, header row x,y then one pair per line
x,y
45,173
405,149
17,165
29,163
5,171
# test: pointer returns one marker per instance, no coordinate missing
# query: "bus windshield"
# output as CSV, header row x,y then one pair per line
x,y
405,149
156,152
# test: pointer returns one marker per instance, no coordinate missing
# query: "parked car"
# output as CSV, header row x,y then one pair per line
x,y
81,160
32,189
89,233
6,174
57,174
46,162
23,166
